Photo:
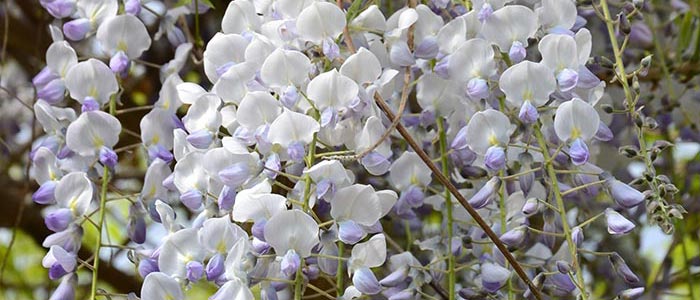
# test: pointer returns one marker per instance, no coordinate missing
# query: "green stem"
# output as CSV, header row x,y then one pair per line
x,y
307,178
197,35
339,271
451,276
298,282
562,210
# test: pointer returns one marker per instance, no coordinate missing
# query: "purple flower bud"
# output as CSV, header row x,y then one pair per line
x,y
192,199
108,157
44,77
428,48
296,151
631,294
290,96
132,7
227,198
577,236
623,194
215,266
58,220
485,12
258,229
483,196
330,49
456,245
460,140
578,151
195,270
567,79
45,193
119,63
148,266
622,269
221,70
329,117
365,282
413,195
268,293
517,52
235,175
158,151
528,113
470,294
530,207
77,29
200,139
549,226
395,278
136,228
89,104
441,68
169,183
66,289
477,88
495,158
56,271
259,246
290,263
493,276
640,34
427,118
563,267
562,282
350,232
515,236
178,123
604,133
52,92
175,36
617,224
375,163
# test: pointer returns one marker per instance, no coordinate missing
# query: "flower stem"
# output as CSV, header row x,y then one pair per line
x,y
102,209
307,178
551,172
298,281
339,271
451,276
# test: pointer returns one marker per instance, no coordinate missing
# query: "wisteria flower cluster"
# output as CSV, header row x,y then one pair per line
x,y
448,150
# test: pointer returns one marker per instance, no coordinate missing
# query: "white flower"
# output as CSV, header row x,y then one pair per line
x,y
292,229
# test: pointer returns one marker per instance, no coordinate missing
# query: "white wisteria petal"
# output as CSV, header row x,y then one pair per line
x,y
221,50
258,108
408,170
502,29
231,86
329,169
370,134
178,249
559,52
189,92
250,207
74,191
91,78
233,289
240,16
60,57
92,131
320,20
575,119
157,128
285,67
53,119
371,18
331,89
487,128
159,286
292,127
362,67
44,167
557,14
369,254
292,229
204,114
124,33
528,81
584,44
220,234
472,59
358,203
153,180
189,173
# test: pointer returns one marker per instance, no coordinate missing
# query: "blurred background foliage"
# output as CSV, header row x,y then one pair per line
x,y
667,29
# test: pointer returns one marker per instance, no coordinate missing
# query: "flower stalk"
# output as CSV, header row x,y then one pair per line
x,y
451,276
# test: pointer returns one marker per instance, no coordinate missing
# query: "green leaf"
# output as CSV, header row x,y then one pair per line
x,y
686,29
186,2
353,10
